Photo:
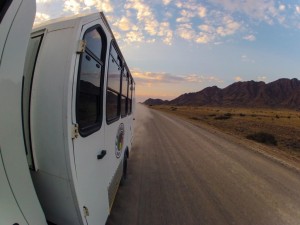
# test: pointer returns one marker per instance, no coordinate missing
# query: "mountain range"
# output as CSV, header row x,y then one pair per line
x,y
282,93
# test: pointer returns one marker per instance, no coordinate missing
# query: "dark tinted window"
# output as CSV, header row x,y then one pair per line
x,y
113,86
124,97
114,73
112,105
93,42
89,93
130,95
125,83
89,84
4,5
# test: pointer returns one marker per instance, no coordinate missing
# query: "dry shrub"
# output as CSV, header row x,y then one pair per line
x,y
263,137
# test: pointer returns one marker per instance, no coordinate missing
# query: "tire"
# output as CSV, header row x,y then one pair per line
x,y
124,175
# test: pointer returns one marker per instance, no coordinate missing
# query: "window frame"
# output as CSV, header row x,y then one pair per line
x,y
114,45
27,120
92,128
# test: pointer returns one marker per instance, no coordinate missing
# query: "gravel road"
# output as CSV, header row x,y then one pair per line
x,y
181,174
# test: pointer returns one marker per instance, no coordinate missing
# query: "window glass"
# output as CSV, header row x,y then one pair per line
x,y
123,106
88,100
89,86
130,95
113,87
125,83
112,104
124,100
93,42
115,55
114,73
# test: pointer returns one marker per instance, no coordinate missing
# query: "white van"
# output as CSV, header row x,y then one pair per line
x,y
75,116
19,204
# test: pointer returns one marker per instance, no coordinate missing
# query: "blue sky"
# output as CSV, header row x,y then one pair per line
x,y
173,46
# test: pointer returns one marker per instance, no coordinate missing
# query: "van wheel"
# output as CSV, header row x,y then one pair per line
x,y
124,170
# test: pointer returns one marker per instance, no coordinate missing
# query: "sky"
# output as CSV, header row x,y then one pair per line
x,y
173,46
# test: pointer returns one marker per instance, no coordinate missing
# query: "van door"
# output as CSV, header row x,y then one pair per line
x,y
89,145
115,129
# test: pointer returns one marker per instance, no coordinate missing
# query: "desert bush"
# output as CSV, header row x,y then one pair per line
x,y
212,115
194,118
223,117
242,114
263,137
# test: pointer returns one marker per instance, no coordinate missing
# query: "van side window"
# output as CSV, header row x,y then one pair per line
x,y
113,86
124,95
4,5
130,95
89,84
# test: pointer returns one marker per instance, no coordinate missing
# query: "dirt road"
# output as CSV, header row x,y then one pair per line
x,y
180,174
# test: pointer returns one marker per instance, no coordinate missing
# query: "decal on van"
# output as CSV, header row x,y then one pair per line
x,y
119,140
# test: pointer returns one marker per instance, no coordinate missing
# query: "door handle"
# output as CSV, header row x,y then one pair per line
x,y
101,155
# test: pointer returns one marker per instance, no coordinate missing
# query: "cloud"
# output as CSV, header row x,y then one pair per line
x,y
72,6
195,78
202,11
148,22
262,78
249,37
297,9
246,59
204,38
102,5
257,9
78,6
124,24
148,78
166,33
41,17
203,22
134,36
229,26
216,25
166,2
281,7
186,31
238,78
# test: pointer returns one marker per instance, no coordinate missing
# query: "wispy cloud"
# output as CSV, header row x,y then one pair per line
x,y
142,77
246,59
262,78
147,21
202,79
262,10
41,17
249,37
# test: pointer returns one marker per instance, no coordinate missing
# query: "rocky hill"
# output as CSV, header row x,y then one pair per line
x,y
156,101
282,93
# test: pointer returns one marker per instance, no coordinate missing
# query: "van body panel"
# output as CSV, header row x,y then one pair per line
x,y
15,30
